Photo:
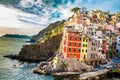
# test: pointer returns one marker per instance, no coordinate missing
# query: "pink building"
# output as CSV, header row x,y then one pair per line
x,y
110,28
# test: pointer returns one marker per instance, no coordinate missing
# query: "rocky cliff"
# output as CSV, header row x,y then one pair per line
x,y
48,43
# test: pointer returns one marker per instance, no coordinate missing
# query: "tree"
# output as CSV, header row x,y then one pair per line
x,y
112,53
75,10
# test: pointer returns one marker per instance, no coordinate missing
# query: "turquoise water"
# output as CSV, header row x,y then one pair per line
x,y
21,71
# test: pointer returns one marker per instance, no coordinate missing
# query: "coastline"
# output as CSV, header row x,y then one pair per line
x,y
17,57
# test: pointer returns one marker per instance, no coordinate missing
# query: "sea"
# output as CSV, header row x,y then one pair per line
x,y
15,69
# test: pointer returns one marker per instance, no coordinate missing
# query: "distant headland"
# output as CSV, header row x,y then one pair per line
x,y
17,36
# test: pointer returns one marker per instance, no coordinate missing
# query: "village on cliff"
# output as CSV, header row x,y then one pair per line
x,y
90,41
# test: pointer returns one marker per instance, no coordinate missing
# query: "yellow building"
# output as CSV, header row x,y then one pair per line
x,y
84,48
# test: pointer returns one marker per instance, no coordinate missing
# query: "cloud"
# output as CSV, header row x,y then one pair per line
x,y
37,14
13,18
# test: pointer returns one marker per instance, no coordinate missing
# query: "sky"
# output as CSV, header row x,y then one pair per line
x,y
31,16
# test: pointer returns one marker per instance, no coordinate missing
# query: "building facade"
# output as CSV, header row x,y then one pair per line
x,y
93,49
84,47
71,43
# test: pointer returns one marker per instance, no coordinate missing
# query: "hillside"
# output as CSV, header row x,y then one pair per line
x,y
46,46
50,27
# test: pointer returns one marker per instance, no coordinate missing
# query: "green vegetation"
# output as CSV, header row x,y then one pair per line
x,y
112,53
57,30
118,71
47,31
75,10
64,65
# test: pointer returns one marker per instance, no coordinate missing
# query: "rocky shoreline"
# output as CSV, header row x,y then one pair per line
x,y
17,57
39,71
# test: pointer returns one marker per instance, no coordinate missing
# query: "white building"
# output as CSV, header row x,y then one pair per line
x,y
92,30
100,48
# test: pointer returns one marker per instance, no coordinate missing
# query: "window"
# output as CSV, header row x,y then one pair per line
x,y
79,44
82,50
74,50
99,50
83,40
86,50
83,45
75,38
80,38
74,44
86,40
95,32
86,45
69,49
92,33
70,43
92,43
94,49
91,48
70,37
79,50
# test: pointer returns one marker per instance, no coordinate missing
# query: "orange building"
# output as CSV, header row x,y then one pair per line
x,y
72,44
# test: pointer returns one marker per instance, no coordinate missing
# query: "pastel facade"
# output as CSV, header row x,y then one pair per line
x,y
110,29
99,33
84,48
118,28
100,55
102,50
77,32
93,49
92,30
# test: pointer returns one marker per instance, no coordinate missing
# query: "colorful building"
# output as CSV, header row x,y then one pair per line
x,y
71,45
109,29
104,46
93,48
92,29
77,33
84,47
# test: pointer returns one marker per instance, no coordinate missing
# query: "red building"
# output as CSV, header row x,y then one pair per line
x,y
80,19
72,44
104,45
